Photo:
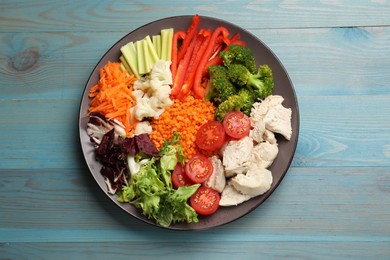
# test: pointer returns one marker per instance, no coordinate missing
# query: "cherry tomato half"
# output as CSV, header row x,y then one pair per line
x,y
210,136
205,200
199,168
179,178
236,124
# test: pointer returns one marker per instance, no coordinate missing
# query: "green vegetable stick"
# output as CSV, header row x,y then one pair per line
x,y
147,57
156,39
151,53
140,57
166,44
130,54
125,65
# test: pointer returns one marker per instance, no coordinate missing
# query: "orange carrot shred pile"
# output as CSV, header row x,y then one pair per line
x,y
112,96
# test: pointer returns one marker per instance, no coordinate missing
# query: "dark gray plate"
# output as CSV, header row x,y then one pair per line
x,y
283,87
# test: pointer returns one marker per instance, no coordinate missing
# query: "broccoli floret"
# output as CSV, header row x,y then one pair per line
x,y
248,98
261,83
242,101
238,54
219,87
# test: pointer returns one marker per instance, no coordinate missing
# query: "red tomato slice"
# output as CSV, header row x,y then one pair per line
x,y
205,200
237,124
199,168
179,178
210,136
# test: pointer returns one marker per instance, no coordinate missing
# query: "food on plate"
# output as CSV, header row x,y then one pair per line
x,y
210,136
205,200
217,180
199,168
237,125
185,122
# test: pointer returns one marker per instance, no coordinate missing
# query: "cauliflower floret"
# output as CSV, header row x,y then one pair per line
x,y
138,94
154,87
153,93
143,127
161,71
144,109
163,93
141,84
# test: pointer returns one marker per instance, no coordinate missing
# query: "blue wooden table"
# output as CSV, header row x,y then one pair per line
x,y
334,201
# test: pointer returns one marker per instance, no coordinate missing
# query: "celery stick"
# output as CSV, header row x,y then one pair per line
x,y
147,57
152,53
166,44
130,54
125,65
140,57
156,39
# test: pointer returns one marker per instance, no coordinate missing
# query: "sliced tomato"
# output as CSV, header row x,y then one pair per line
x,y
205,200
179,178
210,136
199,168
237,124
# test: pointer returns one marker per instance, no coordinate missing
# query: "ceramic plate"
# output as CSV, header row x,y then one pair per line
x,y
283,87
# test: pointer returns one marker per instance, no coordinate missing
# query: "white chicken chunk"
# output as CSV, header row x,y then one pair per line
x,y
278,120
237,156
260,109
231,197
217,180
269,137
264,154
255,182
257,133
276,117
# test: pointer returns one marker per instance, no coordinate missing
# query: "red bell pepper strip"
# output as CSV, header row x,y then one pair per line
x,y
199,90
239,42
177,36
203,39
182,69
191,33
217,60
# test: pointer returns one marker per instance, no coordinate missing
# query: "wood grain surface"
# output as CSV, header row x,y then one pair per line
x,y
334,202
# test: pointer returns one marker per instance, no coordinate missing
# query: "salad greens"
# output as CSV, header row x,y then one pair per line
x,y
151,188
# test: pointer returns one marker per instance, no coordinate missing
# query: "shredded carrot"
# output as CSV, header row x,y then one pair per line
x,y
112,95
184,117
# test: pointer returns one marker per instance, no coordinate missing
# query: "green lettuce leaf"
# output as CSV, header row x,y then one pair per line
x,y
151,189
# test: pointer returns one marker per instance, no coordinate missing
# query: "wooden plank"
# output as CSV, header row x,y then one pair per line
x,y
313,204
43,134
113,16
197,250
325,61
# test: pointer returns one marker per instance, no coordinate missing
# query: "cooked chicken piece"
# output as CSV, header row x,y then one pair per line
x,y
276,117
255,182
217,180
269,137
260,109
264,154
278,120
231,197
258,130
237,156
